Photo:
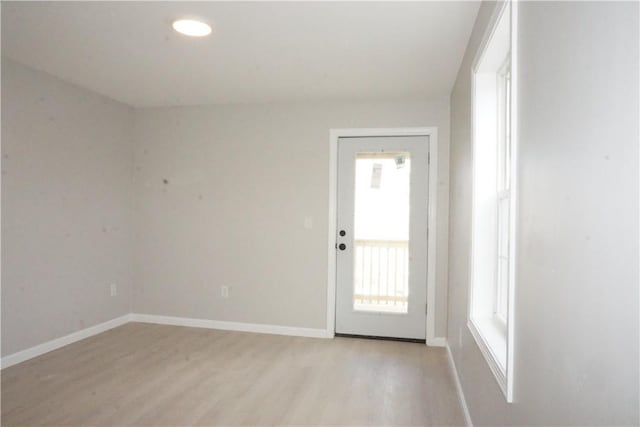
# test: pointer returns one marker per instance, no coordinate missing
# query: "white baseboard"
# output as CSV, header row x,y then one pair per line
x,y
437,342
54,344
48,346
463,401
231,326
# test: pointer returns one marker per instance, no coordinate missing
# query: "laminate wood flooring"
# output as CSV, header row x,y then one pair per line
x,y
155,375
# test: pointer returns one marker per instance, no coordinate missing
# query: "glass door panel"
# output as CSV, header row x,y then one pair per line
x,y
381,232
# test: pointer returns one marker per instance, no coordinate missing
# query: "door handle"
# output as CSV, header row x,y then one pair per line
x,y
342,246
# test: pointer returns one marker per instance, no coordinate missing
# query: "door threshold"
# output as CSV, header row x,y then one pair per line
x,y
373,337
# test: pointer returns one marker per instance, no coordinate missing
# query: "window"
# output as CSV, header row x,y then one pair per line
x,y
492,252
503,88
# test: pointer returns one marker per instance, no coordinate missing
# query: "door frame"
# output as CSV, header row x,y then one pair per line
x,y
334,135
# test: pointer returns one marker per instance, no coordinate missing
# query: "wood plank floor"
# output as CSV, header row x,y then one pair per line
x,y
143,374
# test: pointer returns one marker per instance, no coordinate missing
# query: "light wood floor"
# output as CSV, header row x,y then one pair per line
x,y
142,374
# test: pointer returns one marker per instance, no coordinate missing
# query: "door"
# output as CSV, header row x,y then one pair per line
x,y
381,236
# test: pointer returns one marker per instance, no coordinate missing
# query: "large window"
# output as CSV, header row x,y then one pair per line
x,y
492,262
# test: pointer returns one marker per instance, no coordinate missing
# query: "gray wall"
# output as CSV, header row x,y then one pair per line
x,y
576,360
240,182
77,215
66,208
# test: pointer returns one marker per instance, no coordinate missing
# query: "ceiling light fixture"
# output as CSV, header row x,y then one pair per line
x,y
191,27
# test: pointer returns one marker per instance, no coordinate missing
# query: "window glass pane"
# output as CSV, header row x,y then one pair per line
x,y
381,267
502,273
507,138
503,226
503,105
501,291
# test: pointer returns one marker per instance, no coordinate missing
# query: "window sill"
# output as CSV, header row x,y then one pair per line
x,y
491,337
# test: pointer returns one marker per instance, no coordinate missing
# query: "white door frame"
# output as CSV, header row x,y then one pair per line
x,y
334,135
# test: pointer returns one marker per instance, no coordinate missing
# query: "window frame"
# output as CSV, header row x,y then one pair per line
x,y
491,325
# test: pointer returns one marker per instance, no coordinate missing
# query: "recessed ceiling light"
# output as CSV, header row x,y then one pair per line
x,y
191,27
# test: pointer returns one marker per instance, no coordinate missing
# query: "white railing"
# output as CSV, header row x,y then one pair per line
x,y
381,279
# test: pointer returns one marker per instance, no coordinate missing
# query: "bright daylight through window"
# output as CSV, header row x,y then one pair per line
x,y
492,262
382,203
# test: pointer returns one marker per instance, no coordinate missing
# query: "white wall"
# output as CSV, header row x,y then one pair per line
x,y
576,360
66,208
240,182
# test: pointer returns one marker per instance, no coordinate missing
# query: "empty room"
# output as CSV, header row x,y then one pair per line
x,y
320,213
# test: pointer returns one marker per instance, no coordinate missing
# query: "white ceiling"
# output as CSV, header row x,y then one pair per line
x,y
258,52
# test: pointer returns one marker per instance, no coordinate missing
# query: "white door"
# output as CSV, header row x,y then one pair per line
x,y
382,236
